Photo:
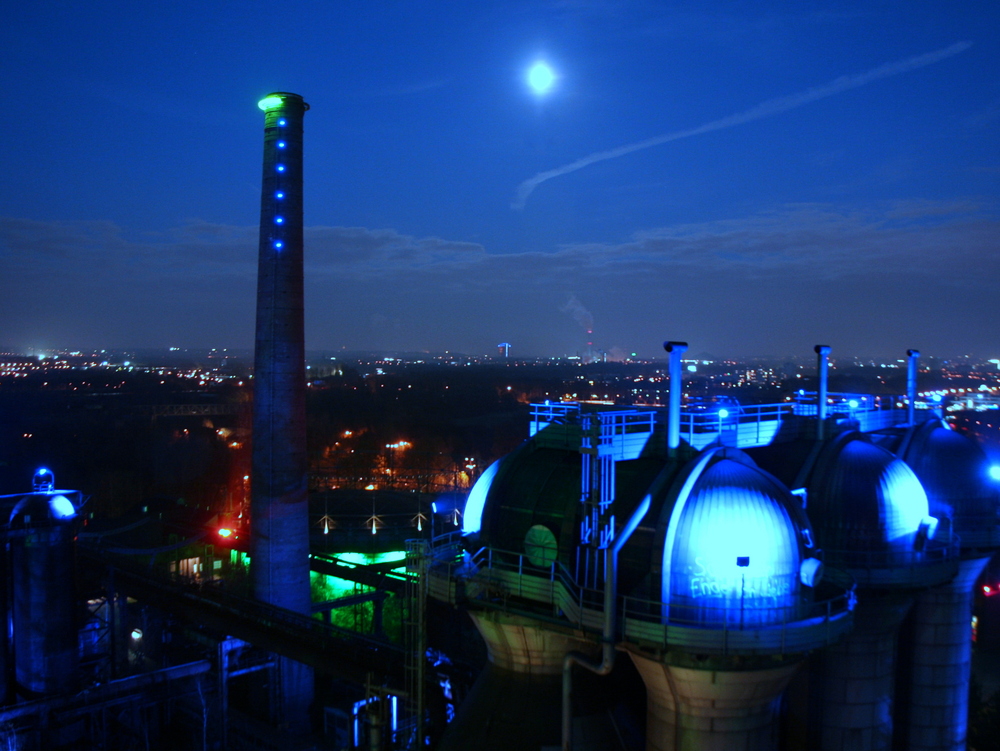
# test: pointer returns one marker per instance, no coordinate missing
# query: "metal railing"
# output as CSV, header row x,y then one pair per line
x,y
727,423
844,403
543,414
509,581
733,425
935,564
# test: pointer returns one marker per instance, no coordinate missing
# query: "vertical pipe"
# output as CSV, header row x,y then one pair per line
x,y
911,384
279,542
822,363
675,350
608,637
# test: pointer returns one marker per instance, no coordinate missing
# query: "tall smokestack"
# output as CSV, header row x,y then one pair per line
x,y
279,540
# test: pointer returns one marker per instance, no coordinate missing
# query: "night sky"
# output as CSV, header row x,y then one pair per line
x,y
753,178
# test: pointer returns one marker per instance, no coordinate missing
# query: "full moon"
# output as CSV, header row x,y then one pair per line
x,y
541,77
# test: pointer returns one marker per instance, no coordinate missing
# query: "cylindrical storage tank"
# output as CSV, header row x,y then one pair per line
x,y
526,509
736,569
936,649
7,504
871,519
43,576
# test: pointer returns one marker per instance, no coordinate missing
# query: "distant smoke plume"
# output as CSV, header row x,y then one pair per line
x,y
580,314
762,110
617,354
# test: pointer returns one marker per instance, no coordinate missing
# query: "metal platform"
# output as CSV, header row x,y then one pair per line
x,y
557,425
505,581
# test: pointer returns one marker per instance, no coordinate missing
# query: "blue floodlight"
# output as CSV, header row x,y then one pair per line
x,y
282,122
278,245
279,195
280,168
723,414
279,220
995,472
281,144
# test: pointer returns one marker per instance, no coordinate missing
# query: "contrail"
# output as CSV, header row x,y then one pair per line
x,y
764,109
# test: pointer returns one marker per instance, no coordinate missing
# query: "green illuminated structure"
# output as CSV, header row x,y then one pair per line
x,y
270,102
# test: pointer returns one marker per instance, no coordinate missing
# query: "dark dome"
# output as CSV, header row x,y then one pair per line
x,y
538,488
863,499
955,472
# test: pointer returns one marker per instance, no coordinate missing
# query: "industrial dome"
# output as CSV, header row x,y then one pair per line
x,y
734,545
955,472
529,501
863,500
37,509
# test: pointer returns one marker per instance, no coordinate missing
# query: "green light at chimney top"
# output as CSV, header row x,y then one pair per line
x,y
270,102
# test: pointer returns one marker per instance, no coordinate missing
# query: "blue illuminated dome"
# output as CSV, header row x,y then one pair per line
x,y
734,545
40,509
959,481
863,501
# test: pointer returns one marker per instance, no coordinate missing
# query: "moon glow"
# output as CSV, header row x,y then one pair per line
x,y
541,78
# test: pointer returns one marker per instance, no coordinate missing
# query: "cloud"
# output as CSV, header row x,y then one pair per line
x,y
420,87
749,284
762,110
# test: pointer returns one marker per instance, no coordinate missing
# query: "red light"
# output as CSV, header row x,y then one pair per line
x,y
224,532
986,588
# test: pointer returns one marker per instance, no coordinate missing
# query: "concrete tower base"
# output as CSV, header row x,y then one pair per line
x,y
711,710
939,659
855,679
519,645
516,703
